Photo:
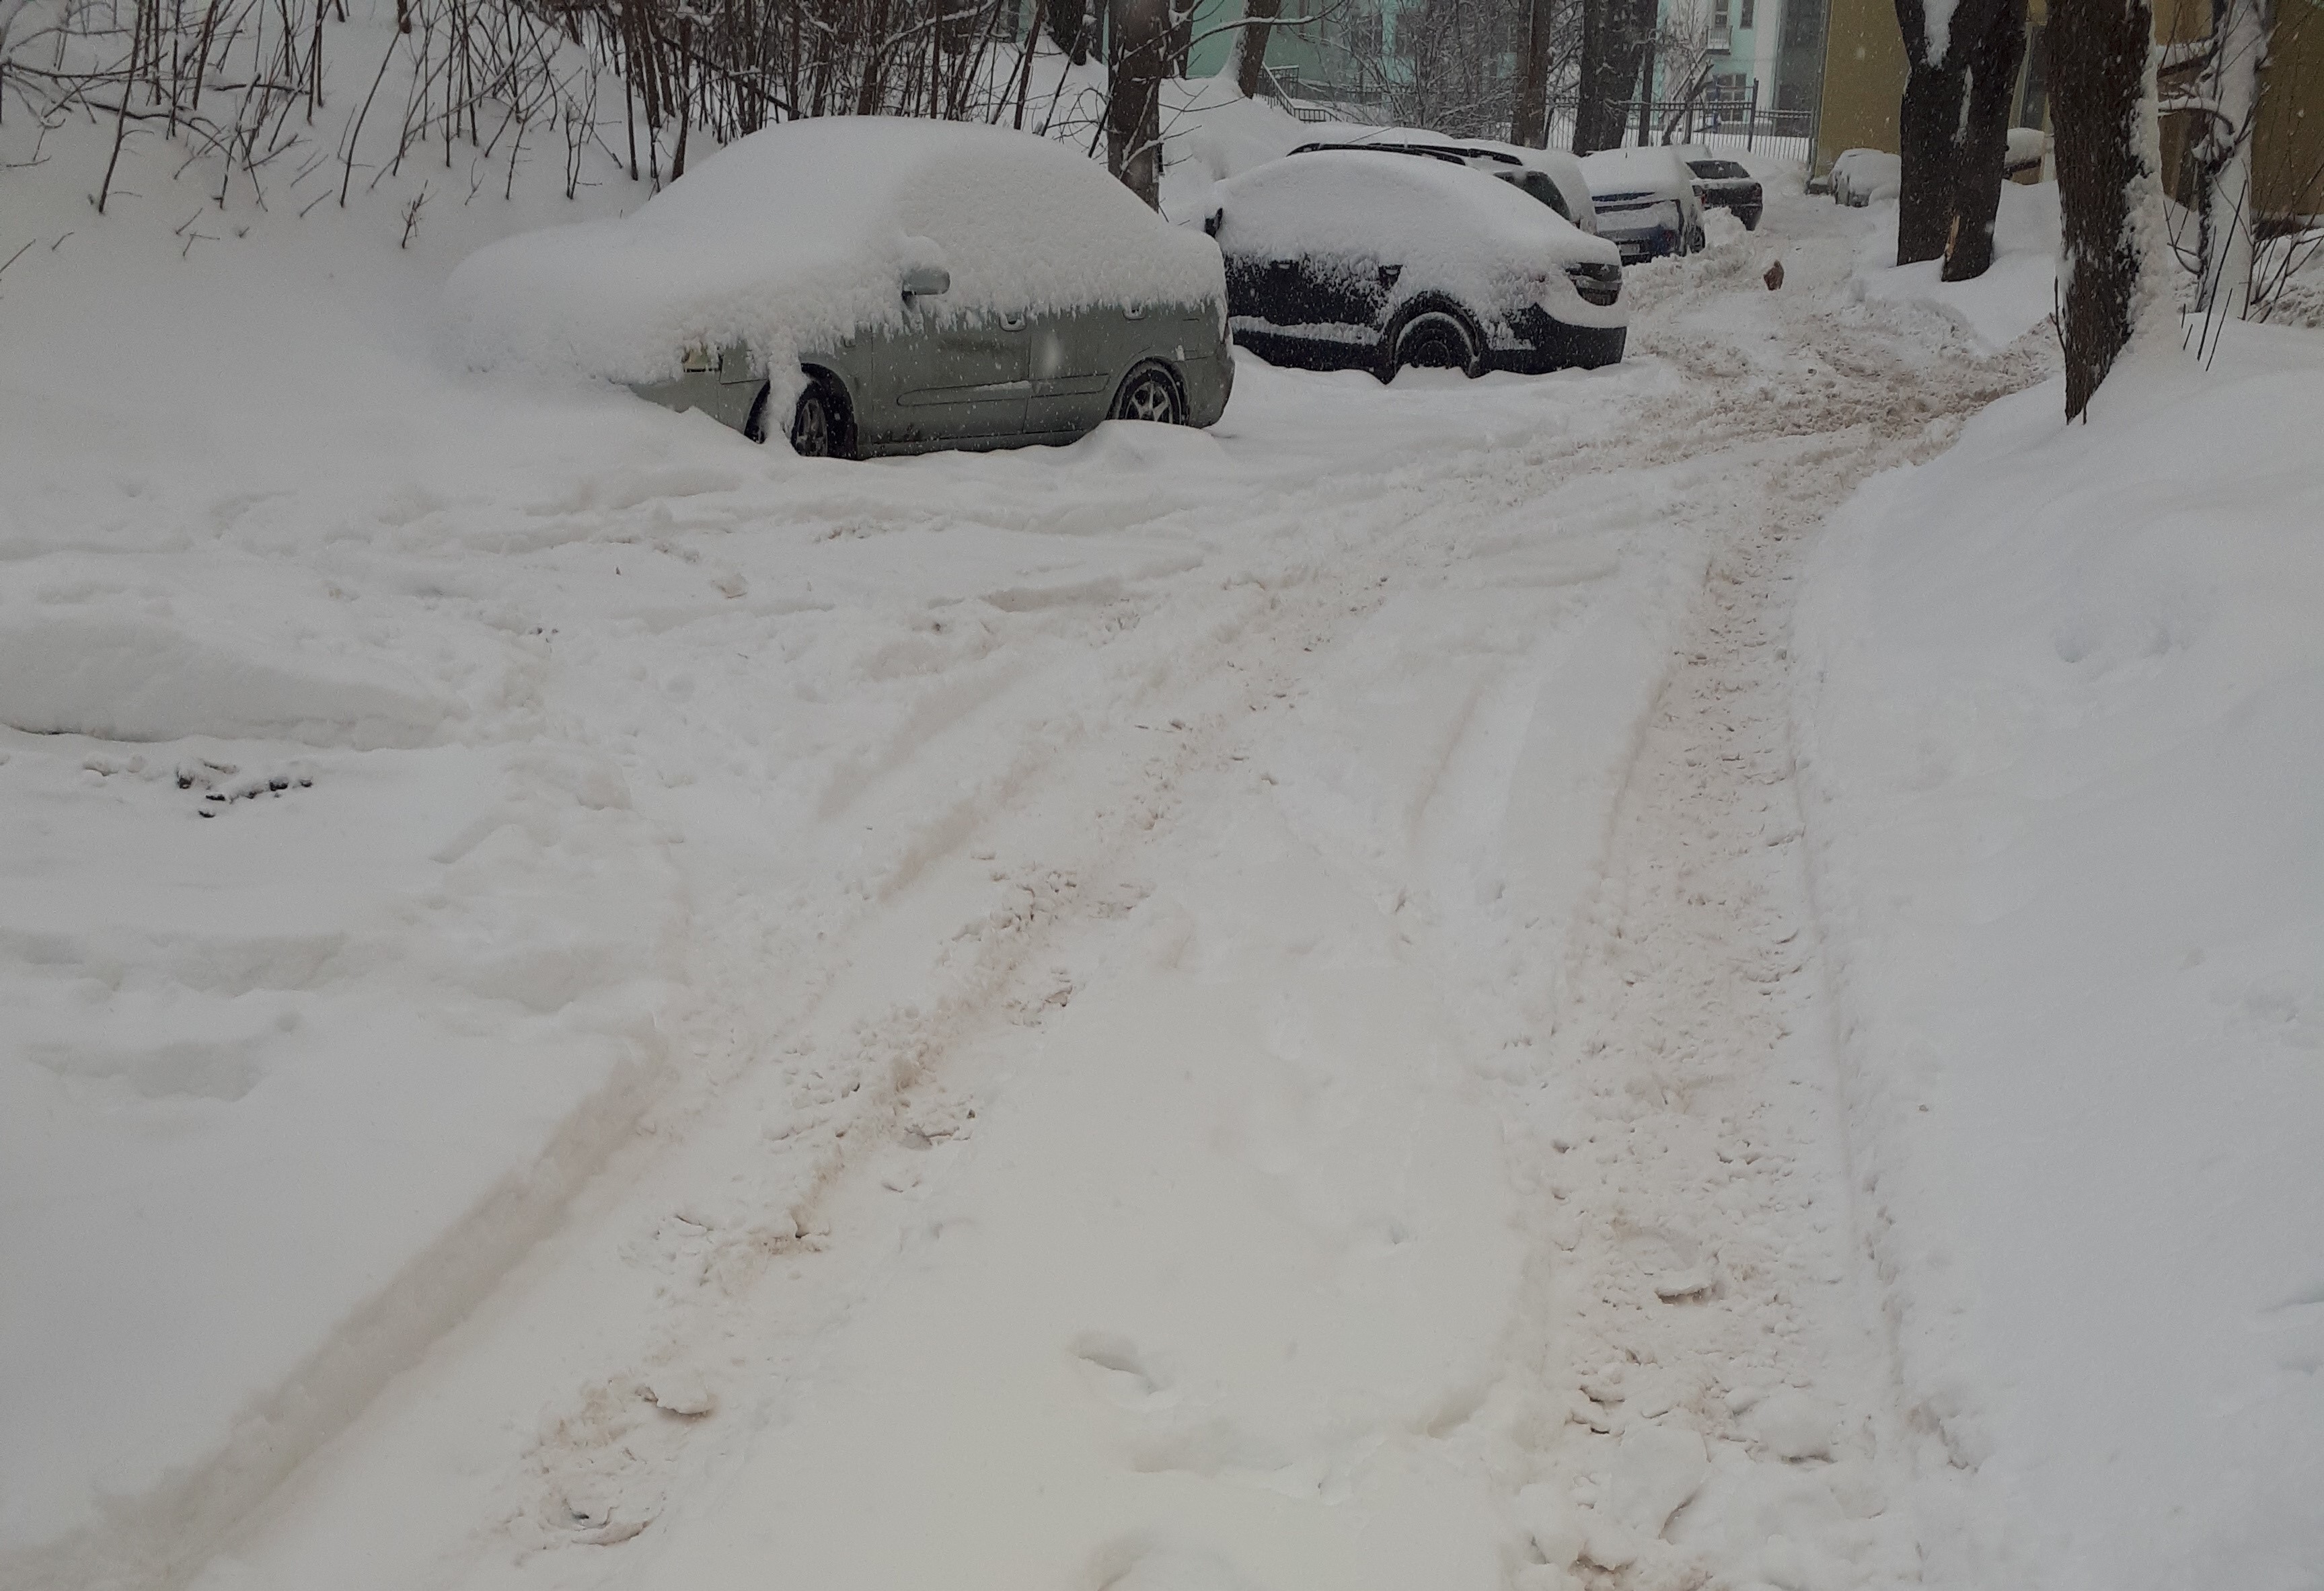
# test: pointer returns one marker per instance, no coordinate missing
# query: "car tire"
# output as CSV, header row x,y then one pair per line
x,y
1433,337
1149,393
821,426
1695,241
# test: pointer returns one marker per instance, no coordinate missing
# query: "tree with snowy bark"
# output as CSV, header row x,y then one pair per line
x,y
2109,201
1961,61
1248,59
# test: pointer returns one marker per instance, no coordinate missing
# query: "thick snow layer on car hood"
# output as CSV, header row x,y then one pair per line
x,y
1451,229
799,235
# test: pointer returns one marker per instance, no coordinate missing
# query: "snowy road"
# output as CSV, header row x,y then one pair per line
x,y
1294,1053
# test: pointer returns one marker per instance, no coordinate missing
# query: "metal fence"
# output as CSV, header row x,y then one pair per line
x,y
1729,127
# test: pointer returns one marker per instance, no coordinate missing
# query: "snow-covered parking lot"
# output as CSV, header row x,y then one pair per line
x,y
596,1005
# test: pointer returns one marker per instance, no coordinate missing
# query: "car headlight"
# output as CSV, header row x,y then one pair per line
x,y
1598,284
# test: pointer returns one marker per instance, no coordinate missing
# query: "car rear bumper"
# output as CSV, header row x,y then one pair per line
x,y
1646,243
1209,381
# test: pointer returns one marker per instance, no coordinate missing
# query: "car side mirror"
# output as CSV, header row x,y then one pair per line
x,y
925,281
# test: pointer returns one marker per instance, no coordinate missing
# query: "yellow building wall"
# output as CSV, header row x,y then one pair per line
x,y
2288,145
1863,79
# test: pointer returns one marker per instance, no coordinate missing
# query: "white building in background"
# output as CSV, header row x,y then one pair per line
x,y
1774,45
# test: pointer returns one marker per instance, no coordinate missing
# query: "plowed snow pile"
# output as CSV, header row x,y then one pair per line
x,y
2062,707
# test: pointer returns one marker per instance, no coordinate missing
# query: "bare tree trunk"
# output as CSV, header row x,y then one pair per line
x,y
2101,91
1529,115
1928,127
1984,150
1249,58
1646,93
1613,36
1138,43
1070,25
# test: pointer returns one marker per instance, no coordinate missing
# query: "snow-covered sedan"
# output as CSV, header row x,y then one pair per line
x,y
1723,184
866,285
1861,176
1647,202
1347,258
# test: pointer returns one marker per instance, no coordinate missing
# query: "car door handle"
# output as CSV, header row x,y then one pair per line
x,y
1012,322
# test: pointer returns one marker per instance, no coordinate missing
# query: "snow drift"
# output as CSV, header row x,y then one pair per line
x,y
2062,720
2016,293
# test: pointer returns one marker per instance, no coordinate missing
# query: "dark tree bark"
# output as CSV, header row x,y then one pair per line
x,y
2100,50
1613,37
1927,126
1984,143
1069,26
1138,47
1250,44
1529,113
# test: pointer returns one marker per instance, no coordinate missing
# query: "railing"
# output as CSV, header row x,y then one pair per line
x,y
1726,124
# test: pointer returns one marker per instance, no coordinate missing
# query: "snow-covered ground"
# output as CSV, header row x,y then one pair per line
x,y
2062,712
2010,299
596,1005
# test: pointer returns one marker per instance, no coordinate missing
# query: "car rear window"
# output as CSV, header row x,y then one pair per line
x,y
1538,184
1718,168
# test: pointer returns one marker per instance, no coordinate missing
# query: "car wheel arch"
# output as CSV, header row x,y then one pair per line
x,y
1170,373
1424,306
846,439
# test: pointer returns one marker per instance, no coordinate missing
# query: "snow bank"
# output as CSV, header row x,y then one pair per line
x,y
2015,295
158,659
2062,726
797,236
1454,230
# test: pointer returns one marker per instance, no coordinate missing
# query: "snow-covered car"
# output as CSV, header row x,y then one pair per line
x,y
867,285
1723,184
1550,175
1352,259
1646,201
1861,176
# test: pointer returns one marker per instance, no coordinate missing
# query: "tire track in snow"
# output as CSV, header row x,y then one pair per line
x,y
1714,446
1701,1390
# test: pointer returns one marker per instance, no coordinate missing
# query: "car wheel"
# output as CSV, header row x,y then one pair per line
x,y
820,426
1435,339
1147,393
1695,241
815,428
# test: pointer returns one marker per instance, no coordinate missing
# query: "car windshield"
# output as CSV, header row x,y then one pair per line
x,y
1716,169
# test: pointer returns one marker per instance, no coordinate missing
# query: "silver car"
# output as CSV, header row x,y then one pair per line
x,y
999,378
1007,358
862,285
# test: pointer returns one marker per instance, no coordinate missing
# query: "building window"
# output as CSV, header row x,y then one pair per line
x,y
1750,6
1718,13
